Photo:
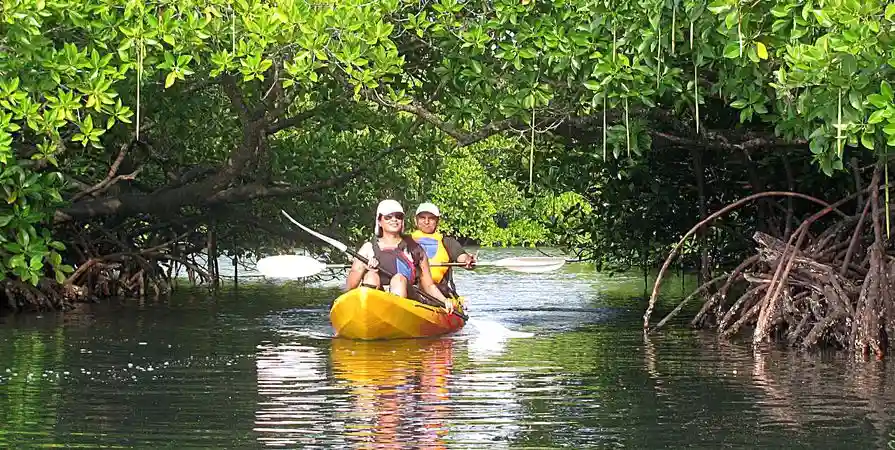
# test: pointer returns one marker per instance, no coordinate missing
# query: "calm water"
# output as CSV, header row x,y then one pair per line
x,y
257,368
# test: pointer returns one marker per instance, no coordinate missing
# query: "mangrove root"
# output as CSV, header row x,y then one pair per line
x,y
831,288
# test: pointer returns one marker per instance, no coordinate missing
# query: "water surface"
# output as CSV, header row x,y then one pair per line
x,y
257,368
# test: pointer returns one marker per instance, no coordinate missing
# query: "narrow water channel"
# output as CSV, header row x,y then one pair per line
x,y
257,368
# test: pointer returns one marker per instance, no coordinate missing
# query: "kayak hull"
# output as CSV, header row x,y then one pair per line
x,y
368,314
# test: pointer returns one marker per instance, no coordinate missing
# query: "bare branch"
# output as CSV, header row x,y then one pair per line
x,y
293,121
204,193
112,171
107,183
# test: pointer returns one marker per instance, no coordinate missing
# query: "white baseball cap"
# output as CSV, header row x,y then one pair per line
x,y
385,208
429,208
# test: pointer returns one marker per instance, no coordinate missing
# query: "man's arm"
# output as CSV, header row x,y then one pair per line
x,y
457,253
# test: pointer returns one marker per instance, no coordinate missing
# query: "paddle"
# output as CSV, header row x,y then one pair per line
x,y
526,264
300,266
344,248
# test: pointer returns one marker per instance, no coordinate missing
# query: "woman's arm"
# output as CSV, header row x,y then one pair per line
x,y
429,287
356,274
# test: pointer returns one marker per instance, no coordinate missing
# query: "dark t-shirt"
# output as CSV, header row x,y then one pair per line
x,y
453,247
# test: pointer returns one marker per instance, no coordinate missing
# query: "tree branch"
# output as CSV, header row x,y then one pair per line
x,y
205,193
718,140
289,122
110,178
463,138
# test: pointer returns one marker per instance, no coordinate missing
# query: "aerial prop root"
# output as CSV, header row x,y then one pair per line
x,y
830,289
46,296
706,221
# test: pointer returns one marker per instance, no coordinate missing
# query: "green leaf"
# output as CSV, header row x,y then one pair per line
x,y
592,85
169,80
889,129
719,6
886,90
23,237
877,116
4,220
752,55
781,11
732,49
854,99
878,100
731,20
867,140
762,50
890,11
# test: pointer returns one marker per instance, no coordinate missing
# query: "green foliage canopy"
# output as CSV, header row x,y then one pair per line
x,y
79,79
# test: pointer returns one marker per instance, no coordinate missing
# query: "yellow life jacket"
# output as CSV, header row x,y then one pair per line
x,y
435,250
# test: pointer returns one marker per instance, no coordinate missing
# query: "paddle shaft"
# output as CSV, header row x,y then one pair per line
x,y
459,264
345,266
431,264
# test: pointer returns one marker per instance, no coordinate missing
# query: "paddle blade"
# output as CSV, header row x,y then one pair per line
x,y
289,266
530,264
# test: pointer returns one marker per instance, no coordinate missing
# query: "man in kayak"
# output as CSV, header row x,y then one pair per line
x,y
439,248
396,253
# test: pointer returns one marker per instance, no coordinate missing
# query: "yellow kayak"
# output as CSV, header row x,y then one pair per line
x,y
366,313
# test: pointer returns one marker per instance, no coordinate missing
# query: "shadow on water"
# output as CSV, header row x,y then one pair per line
x,y
547,360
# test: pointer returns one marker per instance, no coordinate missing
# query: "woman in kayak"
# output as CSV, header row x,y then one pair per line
x,y
400,255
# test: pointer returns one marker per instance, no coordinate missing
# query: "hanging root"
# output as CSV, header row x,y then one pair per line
x,y
831,289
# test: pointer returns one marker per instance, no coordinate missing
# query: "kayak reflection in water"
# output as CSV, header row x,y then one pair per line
x,y
440,249
395,253
400,390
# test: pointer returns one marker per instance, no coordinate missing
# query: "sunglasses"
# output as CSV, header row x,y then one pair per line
x,y
398,216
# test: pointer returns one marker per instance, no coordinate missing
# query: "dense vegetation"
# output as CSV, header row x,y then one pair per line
x,y
138,135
